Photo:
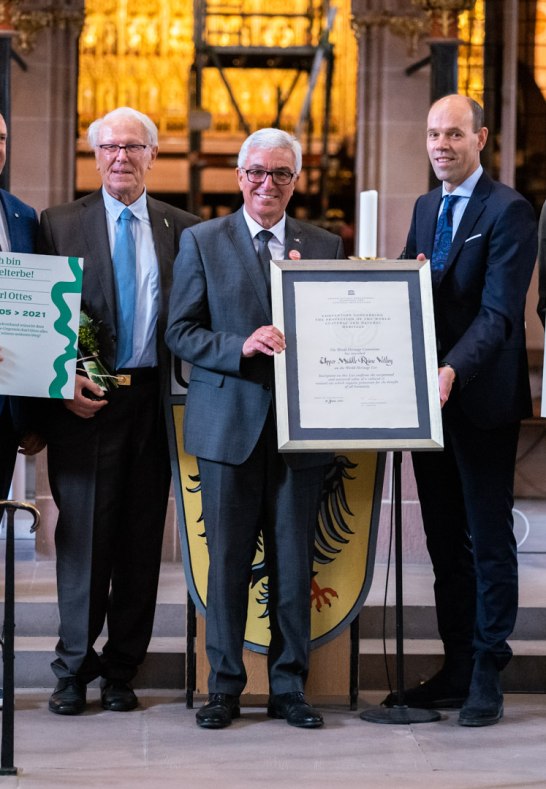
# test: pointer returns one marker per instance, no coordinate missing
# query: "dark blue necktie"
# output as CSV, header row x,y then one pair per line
x,y
443,236
124,259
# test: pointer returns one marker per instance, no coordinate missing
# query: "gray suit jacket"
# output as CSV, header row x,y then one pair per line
x,y
219,297
79,229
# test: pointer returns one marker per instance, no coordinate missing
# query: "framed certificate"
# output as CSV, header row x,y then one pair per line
x,y
360,368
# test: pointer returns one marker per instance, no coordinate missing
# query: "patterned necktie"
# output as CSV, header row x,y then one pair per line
x,y
124,259
443,236
264,253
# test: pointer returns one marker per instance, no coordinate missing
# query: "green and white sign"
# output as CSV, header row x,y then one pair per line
x,y
39,317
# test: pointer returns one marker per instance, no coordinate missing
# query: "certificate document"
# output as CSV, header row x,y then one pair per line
x,y
39,317
355,358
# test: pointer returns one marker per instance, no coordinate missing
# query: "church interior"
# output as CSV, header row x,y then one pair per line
x,y
353,80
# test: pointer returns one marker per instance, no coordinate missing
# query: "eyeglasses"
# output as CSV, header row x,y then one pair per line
x,y
279,177
133,148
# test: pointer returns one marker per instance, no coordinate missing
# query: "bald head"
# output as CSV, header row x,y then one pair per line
x,y
455,138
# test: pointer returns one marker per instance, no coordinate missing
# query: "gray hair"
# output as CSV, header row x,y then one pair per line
x,y
271,138
123,112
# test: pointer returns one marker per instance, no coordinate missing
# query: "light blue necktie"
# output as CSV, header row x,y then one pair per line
x,y
443,236
124,259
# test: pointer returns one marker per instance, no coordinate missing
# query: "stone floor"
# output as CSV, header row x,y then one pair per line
x,y
159,744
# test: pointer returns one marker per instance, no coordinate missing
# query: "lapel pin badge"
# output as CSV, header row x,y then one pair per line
x,y
16,215
294,254
166,221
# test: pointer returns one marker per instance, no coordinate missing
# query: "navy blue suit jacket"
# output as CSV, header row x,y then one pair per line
x,y
479,302
219,297
22,223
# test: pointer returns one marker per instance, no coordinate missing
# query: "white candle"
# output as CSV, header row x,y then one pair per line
x,y
367,226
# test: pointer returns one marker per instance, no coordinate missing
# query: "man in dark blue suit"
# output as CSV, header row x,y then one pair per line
x,y
466,492
18,228
220,320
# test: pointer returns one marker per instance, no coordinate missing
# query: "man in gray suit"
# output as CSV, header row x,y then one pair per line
x,y
108,460
220,321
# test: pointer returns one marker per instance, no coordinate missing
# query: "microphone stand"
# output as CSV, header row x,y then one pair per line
x,y
400,713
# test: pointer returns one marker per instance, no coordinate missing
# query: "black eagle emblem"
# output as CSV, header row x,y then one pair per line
x,y
332,533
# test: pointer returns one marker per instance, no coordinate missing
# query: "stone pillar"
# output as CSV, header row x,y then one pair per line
x,y
44,95
392,158
391,114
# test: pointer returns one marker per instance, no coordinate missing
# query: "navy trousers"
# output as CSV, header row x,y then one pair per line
x,y
466,496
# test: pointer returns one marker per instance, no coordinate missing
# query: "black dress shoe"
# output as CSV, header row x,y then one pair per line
x,y
445,690
484,705
293,708
219,711
68,698
117,696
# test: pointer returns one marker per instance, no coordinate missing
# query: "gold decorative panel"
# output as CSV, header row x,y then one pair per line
x,y
540,46
472,37
139,52
254,23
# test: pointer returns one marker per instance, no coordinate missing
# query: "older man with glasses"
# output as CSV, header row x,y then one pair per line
x,y
108,459
220,320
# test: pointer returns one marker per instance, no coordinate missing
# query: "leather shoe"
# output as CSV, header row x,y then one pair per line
x,y
445,690
219,711
117,696
484,705
69,697
293,708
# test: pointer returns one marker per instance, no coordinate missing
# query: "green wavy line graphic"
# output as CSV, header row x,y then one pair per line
x,y
61,325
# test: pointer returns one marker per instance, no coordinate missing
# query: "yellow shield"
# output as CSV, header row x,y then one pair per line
x,y
345,541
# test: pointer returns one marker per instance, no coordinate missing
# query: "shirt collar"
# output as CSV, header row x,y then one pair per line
x,y
467,187
114,207
278,230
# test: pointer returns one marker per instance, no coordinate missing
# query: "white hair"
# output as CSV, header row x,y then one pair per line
x,y
271,138
123,112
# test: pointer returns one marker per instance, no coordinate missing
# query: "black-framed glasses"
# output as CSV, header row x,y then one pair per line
x,y
132,148
257,176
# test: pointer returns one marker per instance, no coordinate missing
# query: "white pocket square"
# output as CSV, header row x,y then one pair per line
x,y
478,235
